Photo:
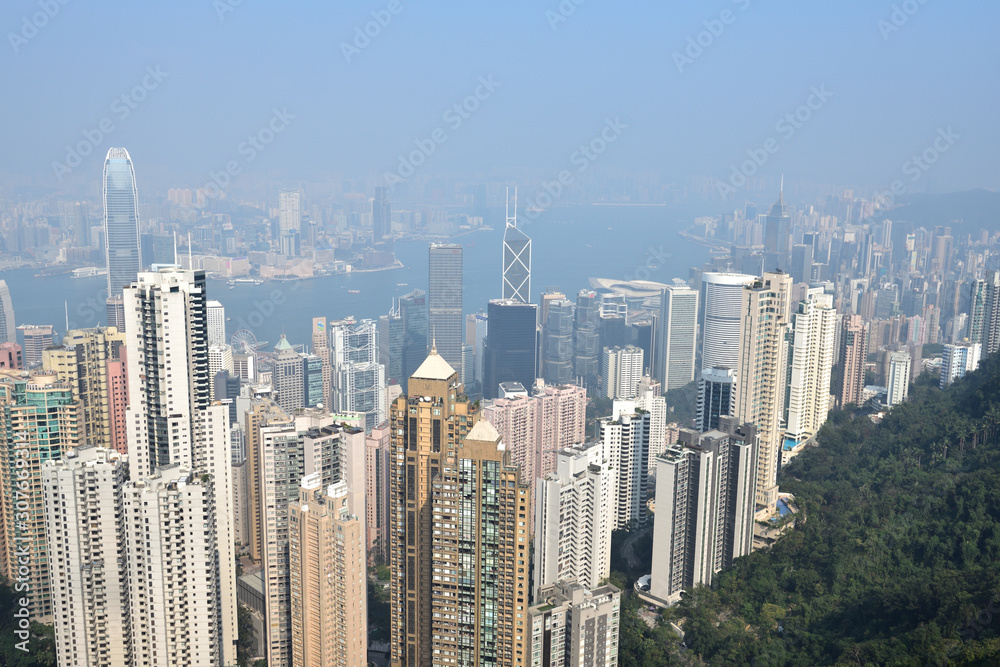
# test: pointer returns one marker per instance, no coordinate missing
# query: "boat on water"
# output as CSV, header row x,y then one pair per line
x,y
354,291
89,272
402,284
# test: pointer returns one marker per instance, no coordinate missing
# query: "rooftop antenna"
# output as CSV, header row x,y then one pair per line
x,y
175,246
66,304
190,259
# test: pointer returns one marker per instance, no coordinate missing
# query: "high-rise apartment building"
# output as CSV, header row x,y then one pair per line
x,y
85,529
814,332
624,438
39,421
621,371
329,577
678,332
853,354
511,347
763,372
8,327
90,361
536,427
898,381
650,398
10,356
377,470
705,493
172,421
220,358
121,221
444,301
957,359
573,625
574,518
176,605
461,536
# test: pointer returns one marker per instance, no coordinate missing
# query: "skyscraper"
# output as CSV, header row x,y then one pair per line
x,y
85,525
621,371
216,323
557,344
704,507
121,221
289,212
511,346
321,348
516,260
444,301
328,577
957,359
574,518
675,348
573,625
381,215
172,421
898,382
8,327
36,339
762,372
87,362
814,333
720,327
288,376
853,354
39,421
716,397
358,377
473,620
586,338
624,438
413,312
778,233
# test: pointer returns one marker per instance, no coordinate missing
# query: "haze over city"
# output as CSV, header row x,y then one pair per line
x,y
561,334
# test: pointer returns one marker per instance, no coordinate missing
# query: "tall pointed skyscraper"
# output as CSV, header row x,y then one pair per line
x,y
444,301
777,233
516,259
121,221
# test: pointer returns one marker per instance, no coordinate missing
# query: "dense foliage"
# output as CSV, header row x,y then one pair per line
x,y
683,401
896,557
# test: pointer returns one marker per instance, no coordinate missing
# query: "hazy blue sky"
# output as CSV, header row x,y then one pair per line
x,y
891,91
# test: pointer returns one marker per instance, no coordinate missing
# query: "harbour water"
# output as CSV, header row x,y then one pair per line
x,y
569,245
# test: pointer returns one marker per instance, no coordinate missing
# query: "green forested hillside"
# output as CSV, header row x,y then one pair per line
x,y
896,558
